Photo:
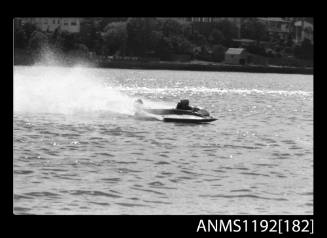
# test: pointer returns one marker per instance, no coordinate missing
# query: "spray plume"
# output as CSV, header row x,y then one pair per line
x,y
47,87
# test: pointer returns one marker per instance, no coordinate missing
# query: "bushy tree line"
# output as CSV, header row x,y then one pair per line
x,y
149,37
164,37
142,37
256,30
304,51
28,37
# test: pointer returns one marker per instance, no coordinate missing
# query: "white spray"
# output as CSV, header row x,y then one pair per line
x,y
68,90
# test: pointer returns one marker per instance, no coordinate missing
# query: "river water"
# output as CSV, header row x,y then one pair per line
x,y
78,149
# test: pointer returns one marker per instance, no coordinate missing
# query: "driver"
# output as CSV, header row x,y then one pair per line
x,y
184,105
138,104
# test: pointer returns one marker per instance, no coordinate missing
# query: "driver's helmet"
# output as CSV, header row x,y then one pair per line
x,y
185,102
139,101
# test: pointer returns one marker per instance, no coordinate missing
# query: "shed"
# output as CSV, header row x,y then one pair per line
x,y
236,56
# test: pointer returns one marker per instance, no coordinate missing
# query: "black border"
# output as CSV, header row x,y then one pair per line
x,y
151,225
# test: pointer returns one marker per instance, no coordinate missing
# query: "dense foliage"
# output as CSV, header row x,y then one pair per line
x,y
161,38
304,51
253,29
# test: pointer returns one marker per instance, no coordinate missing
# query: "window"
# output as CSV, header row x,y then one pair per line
x,y
54,21
73,23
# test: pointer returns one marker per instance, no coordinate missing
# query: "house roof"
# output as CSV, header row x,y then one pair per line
x,y
235,51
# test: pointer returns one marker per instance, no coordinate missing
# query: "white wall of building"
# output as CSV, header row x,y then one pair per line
x,y
303,30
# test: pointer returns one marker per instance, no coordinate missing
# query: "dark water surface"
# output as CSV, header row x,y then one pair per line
x,y
79,150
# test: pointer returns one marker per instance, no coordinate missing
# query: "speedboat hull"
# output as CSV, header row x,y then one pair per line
x,y
199,113
183,116
189,120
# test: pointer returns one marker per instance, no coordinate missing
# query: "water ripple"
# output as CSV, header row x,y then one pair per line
x,y
41,194
92,193
148,190
244,196
130,204
87,158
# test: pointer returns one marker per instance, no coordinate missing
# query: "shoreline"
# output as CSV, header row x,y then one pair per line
x,y
207,67
190,66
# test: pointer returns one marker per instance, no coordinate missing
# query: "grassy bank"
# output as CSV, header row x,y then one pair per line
x,y
23,58
206,67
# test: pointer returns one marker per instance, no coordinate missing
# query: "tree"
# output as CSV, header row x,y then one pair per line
x,y
37,44
164,48
22,35
216,37
187,30
68,41
29,28
289,41
55,40
20,38
181,45
79,51
304,51
154,40
218,53
289,50
81,48
228,29
89,35
38,41
198,38
203,28
256,49
63,40
170,27
115,38
139,35
103,22
255,30
177,35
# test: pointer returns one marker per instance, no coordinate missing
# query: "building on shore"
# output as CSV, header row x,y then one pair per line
x,y
297,29
278,28
303,30
236,56
235,20
50,24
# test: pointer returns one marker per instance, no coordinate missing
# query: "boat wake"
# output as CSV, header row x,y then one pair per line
x,y
42,89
